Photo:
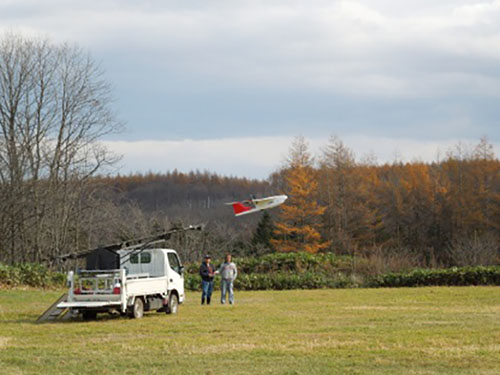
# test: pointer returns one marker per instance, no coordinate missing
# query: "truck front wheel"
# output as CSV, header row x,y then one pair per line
x,y
173,304
138,309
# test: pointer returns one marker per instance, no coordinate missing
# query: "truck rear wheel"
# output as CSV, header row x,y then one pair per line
x,y
138,309
173,304
89,315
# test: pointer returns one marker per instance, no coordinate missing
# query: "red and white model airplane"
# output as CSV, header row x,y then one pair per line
x,y
255,205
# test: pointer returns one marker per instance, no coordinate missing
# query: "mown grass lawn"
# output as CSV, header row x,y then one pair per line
x,y
351,331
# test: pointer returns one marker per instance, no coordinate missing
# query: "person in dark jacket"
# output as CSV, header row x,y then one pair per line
x,y
207,272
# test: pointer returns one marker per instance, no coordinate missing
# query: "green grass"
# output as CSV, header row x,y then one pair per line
x,y
434,330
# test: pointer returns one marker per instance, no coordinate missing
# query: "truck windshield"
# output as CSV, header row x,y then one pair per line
x,y
174,262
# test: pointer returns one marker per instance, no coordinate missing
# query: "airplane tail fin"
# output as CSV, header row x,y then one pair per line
x,y
239,208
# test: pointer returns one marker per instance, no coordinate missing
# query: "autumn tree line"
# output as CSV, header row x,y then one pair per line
x,y
441,213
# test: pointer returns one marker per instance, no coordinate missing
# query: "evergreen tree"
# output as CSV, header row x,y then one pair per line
x,y
264,232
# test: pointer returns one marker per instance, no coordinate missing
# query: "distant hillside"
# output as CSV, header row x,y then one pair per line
x,y
188,197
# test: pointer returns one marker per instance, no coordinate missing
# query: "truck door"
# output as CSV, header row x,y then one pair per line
x,y
175,276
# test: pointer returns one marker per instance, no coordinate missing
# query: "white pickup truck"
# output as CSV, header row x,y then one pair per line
x,y
148,280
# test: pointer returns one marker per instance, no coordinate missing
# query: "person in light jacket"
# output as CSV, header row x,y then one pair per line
x,y
228,272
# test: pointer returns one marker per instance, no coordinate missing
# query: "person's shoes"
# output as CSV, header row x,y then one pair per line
x,y
203,301
222,302
208,301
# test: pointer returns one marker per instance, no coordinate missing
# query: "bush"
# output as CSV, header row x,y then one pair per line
x,y
287,271
280,281
30,274
455,276
282,271
288,262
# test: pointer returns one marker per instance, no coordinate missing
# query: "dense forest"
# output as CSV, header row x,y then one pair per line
x,y
441,213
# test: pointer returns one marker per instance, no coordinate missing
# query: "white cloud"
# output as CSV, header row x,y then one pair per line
x,y
358,47
250,157
419,61
257,157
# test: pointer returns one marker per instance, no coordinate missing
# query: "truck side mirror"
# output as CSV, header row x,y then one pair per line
x,y
181,270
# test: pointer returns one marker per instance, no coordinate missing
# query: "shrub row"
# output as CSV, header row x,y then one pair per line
x,y
281,281
455,276
299,271
30,274
289,262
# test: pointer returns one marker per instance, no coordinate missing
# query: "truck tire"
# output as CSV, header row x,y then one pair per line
x,y
137,309
173,304
89,315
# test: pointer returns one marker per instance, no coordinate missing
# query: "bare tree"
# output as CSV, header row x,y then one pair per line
x,y
54,108
473,251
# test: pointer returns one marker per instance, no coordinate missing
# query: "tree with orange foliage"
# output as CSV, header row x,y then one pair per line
x,y
297,228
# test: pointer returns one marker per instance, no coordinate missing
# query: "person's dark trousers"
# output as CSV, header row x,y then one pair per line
x,y
207,287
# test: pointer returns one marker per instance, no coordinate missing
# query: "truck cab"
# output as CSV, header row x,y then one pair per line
x,y
159,266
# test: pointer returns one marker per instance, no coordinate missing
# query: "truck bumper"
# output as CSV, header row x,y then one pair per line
x,y
88,304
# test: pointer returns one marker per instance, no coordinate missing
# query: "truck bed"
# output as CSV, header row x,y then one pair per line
x,y
131,286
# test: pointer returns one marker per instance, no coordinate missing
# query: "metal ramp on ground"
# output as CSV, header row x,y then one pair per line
x,y
54,313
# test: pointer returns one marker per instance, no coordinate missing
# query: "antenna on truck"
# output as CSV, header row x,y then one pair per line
x,y
135,246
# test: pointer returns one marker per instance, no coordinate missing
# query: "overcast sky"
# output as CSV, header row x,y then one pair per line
x,y
226,85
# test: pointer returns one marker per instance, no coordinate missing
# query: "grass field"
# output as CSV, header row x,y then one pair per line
x,y
350,331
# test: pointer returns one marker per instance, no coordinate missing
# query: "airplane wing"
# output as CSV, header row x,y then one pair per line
x,y
263,202
242,202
